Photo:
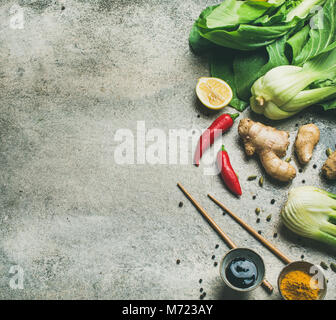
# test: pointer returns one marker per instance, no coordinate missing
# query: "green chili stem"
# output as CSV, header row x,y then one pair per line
x,y
234,116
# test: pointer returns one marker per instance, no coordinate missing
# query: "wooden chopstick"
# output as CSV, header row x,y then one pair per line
x,y
265,284
248,228
228,241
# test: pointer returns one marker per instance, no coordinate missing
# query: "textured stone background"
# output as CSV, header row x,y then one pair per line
x,y
78,224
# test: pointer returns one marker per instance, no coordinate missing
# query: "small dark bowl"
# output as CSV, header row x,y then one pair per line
x,y
243,253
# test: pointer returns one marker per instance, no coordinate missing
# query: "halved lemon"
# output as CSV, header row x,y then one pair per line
x,y
214,93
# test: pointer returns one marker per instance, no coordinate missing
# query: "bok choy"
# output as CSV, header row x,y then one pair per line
x,y
250,24
285,90
245,39
311,212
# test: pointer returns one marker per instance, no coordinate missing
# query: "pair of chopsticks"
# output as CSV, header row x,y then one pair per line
x,y
266,285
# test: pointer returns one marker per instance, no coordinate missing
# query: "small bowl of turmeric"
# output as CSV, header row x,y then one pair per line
x,y
302,280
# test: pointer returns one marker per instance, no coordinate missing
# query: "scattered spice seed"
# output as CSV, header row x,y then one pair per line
x,y
275,235
178,261
329,152
324,265
202,296
296,124
333,266
254,197
213,257
250,178
300,170
303,181
259,231
224,213
201,290
62,8
261,181
200,280
198,116
302,257
215,264
181,204
258,220
272,201
269,217
217,246
257,211
314,166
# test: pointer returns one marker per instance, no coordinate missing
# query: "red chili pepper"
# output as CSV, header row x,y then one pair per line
x,y
229,176
218,127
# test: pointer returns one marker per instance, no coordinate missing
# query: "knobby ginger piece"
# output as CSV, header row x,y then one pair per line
x,y
270,144
329,167
307,138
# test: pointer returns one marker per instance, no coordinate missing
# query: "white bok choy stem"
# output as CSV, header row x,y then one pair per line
x,y
284,91
303,9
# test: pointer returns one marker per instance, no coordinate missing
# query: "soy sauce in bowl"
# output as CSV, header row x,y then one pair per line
x,y
242,269
241,273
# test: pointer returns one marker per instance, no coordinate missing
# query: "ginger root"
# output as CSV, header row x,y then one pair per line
x,y
329,167
306,140
270,144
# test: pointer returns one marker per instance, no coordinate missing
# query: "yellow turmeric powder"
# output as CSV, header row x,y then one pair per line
x,y
297,285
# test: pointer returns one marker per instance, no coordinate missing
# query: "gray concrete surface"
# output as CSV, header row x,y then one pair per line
x,y
81,226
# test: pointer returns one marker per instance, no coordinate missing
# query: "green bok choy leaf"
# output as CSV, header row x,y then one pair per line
x,y
250,24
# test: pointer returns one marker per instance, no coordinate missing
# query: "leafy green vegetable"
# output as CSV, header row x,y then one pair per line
x,y
246,39
284,91
221,65
248,25
316,37
231,13
311,212
302,9
248,67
